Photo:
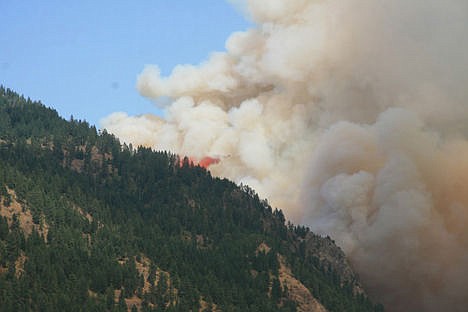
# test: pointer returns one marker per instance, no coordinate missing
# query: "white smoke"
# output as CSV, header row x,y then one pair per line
x,y
351,116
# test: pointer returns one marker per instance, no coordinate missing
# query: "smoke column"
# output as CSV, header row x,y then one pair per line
x,y
351,116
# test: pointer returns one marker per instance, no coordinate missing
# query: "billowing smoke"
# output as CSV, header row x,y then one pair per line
x,y
351,116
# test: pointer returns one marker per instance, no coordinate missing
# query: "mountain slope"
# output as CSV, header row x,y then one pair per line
x,y
90,224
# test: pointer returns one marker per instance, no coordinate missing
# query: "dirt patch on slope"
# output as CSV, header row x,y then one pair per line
x,y
23,214
297,292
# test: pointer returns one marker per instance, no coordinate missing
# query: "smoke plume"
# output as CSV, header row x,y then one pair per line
x,y
351,116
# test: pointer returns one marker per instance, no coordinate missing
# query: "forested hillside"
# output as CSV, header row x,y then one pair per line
x,y
89,224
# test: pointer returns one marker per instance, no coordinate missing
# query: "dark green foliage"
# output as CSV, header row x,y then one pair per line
x,y
107,204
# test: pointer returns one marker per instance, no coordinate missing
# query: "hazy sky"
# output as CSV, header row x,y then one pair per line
x,y
82,57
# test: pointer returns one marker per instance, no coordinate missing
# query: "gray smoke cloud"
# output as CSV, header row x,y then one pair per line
x,y
351,116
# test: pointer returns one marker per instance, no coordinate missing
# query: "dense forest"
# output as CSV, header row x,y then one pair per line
x,y
90,224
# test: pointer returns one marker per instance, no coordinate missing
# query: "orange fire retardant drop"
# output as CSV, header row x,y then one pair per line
x,y
205,162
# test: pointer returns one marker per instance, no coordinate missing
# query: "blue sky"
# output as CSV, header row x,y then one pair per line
x,y
82,57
